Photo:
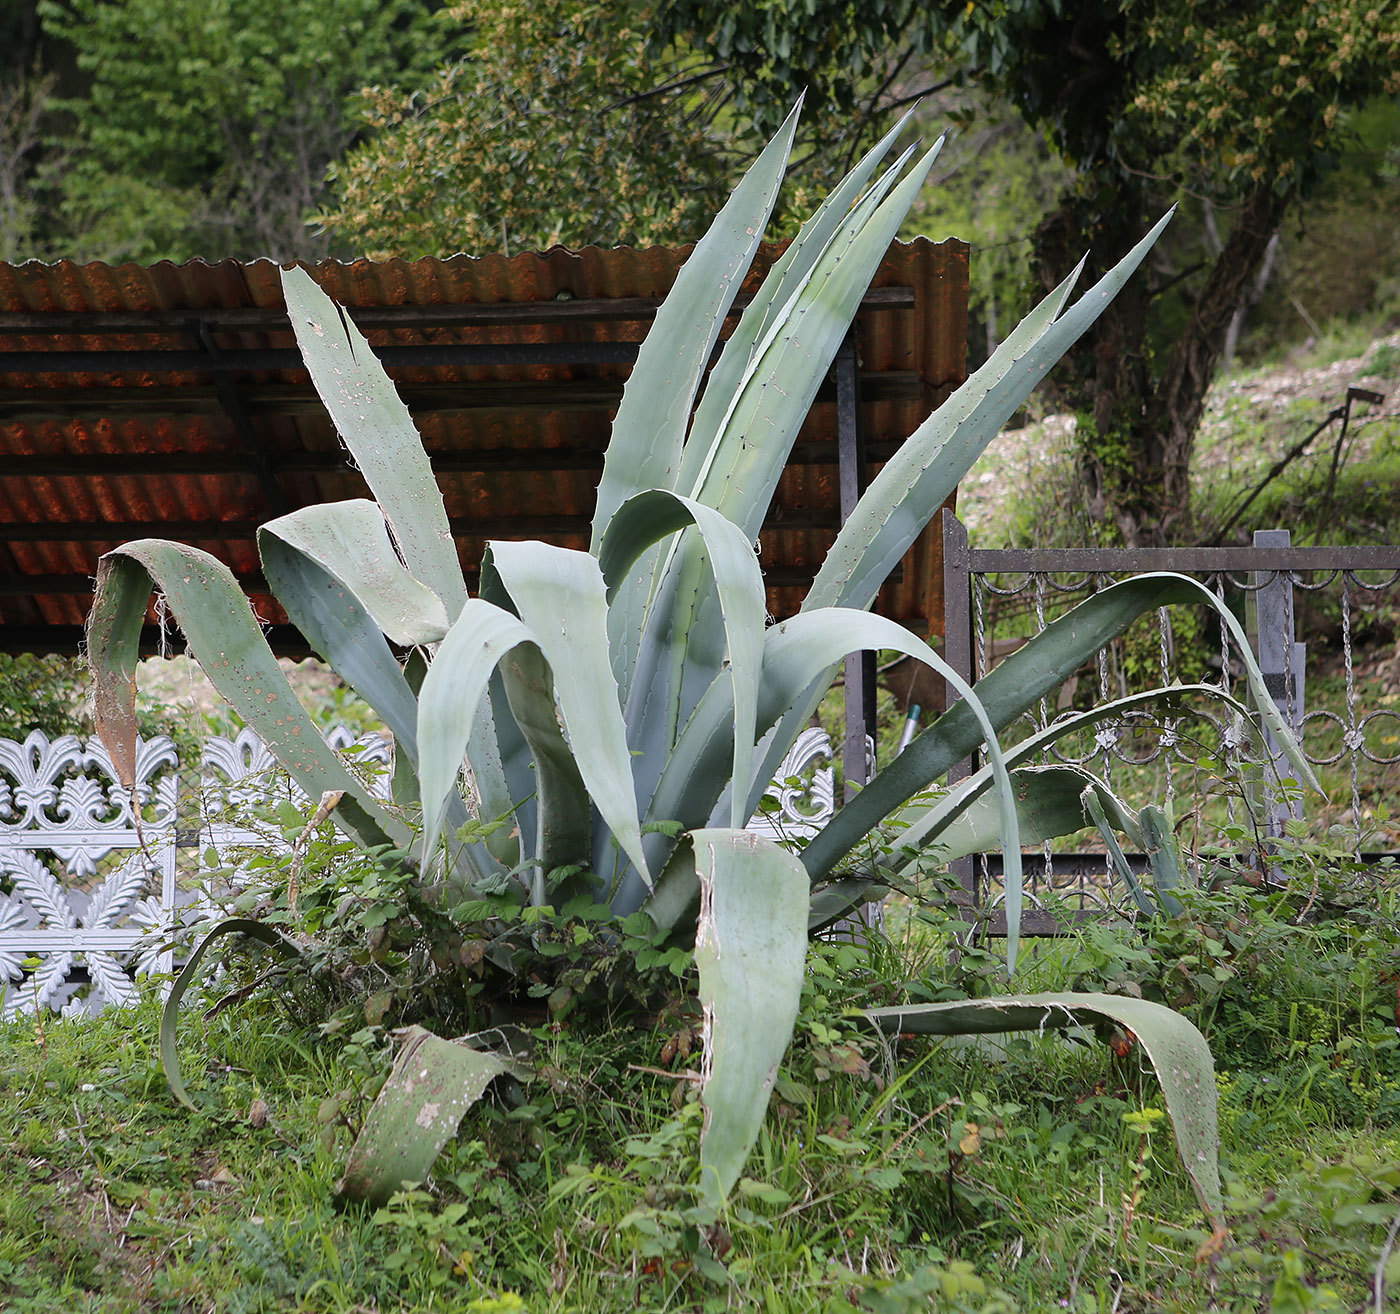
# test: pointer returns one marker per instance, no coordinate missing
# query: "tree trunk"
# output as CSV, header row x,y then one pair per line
x,y
1137,433
1180,396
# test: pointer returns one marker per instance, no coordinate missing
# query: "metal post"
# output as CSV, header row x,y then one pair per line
x,y
957,652
858,751
1281,659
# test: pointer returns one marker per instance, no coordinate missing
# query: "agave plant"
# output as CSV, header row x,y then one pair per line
x,y
624,707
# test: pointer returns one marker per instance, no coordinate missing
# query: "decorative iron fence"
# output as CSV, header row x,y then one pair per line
x,y
1193,752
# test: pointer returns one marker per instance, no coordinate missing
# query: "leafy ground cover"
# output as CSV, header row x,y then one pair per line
x,y
1026,1174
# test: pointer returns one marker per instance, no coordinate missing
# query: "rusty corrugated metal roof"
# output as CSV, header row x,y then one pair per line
x,y
167,401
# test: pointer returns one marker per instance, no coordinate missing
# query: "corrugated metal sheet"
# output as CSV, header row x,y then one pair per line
x,y
102,440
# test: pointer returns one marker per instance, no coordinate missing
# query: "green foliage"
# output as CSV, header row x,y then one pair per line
x,y
207,128
555,125
42,693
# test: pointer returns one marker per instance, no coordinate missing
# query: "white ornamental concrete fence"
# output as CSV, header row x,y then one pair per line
x,y
100,886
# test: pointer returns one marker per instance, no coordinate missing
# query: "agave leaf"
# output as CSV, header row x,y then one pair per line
x,y
226,640
739,473
432,1084
917,480
350,541
1164,857
789,273
561,595
750,950
649,429
930,821
1020,681
316,580
1177,1051
1117,857
795,653
376,427
450,700
309,579
170,1013
1050,802
562,806
646,519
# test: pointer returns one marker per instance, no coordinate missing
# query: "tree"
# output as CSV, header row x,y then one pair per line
x,y
205,127
556,125
1150,100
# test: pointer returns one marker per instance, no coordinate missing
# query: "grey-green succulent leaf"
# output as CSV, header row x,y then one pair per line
x,y
1050,803
561,595
1177,1051
350,541
788,274
750,952
646,519
1018,683
917,480
226,640
649,429
431,1086
376,427
449,701
170,1011
738,470
927,822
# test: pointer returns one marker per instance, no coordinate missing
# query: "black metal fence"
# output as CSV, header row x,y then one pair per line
x,y
1322,624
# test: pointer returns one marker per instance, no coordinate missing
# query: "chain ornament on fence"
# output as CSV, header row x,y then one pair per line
x,y
97,882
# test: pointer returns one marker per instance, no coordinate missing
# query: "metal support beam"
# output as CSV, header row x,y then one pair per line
x,y
957,652
857,752
248,437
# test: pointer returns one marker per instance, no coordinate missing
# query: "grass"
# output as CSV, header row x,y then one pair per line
x,y
1034,1174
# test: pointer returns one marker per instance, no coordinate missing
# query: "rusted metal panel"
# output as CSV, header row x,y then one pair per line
x,y
517,443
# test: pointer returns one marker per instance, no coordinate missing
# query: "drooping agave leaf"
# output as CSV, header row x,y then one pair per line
x,y
648,432
1019,682
170,1013
350,541
648,518
930,821
561,595
1177,1051
1050,802
432,1084
376,427
227,642
794,653
750,949
917,480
